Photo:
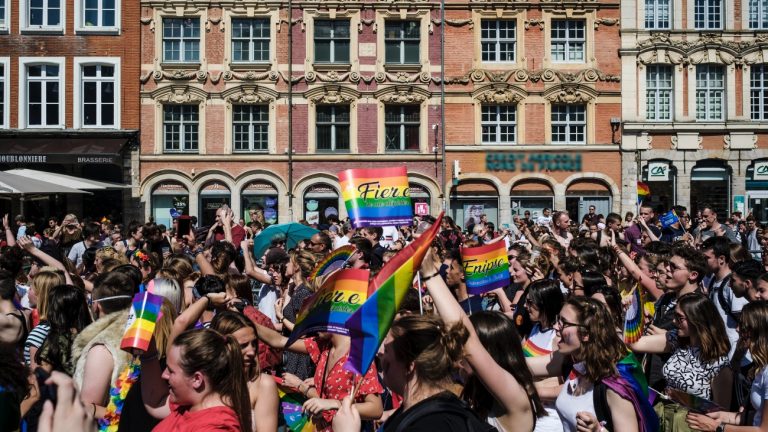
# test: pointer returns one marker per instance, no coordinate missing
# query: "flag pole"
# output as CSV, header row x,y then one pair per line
x,y
421,302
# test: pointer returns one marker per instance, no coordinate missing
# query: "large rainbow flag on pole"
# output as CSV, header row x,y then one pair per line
x,y
370,324
377,197
485,267
341,294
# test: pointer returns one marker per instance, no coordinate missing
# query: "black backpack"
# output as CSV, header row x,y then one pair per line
x,y
450,405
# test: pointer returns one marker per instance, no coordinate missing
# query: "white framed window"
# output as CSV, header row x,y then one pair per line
x,y
498,123
657,14
401,125
41,92
401,42
5,15
569,124
332,41
497,40
332,124
568,41
5,92
42,15
710,92
708,14
97,15
181,128
758,91
181,40
250,128
658,92
250,40
758,14
97,92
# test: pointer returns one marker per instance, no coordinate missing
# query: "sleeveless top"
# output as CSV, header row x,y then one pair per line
x,y
539,343
568,405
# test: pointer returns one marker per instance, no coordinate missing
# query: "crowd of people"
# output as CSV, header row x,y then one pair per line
x,y
547,352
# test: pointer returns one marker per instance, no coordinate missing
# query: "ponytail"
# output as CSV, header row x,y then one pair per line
x,y
236,389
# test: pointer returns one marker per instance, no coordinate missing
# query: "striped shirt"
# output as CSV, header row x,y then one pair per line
x,y
35,339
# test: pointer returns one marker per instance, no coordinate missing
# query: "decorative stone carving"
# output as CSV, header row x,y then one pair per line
x,y
500,96
533,22
247,94
249,76
368,22
179,94
606,22
740,141
292,22
180,75
708,48
331,95
402,95
148,21
214,21
456,22
569,94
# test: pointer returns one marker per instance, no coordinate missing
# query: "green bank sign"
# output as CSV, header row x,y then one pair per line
x,y
532,162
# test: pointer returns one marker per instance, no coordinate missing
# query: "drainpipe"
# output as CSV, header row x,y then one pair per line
x,y
442,102
290,110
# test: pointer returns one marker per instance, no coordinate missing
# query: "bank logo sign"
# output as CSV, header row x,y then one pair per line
x,y
658,171
761,171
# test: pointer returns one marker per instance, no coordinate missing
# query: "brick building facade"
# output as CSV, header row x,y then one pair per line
x,y
69,97
695,91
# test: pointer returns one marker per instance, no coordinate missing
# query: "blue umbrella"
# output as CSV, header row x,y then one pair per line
x,y
292,232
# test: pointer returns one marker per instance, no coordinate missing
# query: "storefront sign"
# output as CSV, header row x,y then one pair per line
x,y
658,171
761,171
58,159
421,208
738,203
532,162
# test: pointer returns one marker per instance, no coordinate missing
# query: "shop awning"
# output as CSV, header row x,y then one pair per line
x,y
85,150
12,184
66,180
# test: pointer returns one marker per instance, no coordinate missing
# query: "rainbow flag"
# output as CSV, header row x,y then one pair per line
x,y
291,408
328,309
485,267
141,322
333,261
377,197
642,191
370,324
634,318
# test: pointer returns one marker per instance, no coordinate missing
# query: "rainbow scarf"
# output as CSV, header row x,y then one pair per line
x,y
370,324
377,197
117,394
485,267
332,262
330,307
633,319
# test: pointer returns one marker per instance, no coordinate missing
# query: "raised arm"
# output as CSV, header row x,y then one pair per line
x,y
654,344
205,267
250,267
192,314
9,237
26,244
647,283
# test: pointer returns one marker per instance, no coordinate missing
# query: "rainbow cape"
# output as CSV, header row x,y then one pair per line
x,y
370,324
377,196
332,262
291,408
633,319
485,267
141,322
327,310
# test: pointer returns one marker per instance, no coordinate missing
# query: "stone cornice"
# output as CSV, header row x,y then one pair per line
x,y
707,48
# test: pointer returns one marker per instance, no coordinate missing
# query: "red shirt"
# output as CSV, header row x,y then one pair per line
x,y
339,382
268,356
210,419
238,235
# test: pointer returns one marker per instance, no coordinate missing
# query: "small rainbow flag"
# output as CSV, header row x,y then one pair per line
x,y
332,262
141,322
370,324
292,408
329,308
633,319
485,267
642,191
377,197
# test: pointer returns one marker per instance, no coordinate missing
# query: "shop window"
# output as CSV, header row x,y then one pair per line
x,y
42,95
332,125
98,104
420,199
180,128
259,202
661,178
213,195
497,40
401,40
401,124
498,124
569,124
167,197
711,183
657,14
250,40
320,202
97,15
569,41
332,41
250,128
758,92
758,14
658,92
708,14
710,92
470,200
181,40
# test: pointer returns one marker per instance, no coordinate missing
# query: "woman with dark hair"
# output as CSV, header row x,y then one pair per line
x,y
261,387
595,395
133,273
68,315
14,388
147,263
611,298
699,355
